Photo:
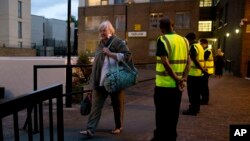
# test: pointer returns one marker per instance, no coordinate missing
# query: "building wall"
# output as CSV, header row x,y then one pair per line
x,y
232,45
58,29
245,57
17,52
37,30
54,32
9,23
137,13
4,22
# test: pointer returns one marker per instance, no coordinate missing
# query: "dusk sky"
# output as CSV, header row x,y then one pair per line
x,y
57,9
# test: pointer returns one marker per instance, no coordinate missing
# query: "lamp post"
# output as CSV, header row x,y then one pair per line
x,y
126,23
127,2
69,68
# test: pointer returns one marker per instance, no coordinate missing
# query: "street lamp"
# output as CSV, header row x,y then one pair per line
x,y
69,68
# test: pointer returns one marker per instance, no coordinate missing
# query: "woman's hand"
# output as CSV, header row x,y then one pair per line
x,y
106,51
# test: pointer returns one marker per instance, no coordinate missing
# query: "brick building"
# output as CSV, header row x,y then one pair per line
x,y
142,24
216,20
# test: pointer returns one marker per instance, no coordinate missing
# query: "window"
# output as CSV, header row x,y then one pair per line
x,y
91,46
118,1
155,20
96,2
19,30
152,48
182,20
19,9
205,26
120,22
20,44
206,3
92,22
156,0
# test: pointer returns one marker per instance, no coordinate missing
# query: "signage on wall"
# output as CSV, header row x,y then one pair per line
x,y
248,28
137,34
137,27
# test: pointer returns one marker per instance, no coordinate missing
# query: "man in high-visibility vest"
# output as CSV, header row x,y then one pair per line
x,y
209,65
195,75
172,64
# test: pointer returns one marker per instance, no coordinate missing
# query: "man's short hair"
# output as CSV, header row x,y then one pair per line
x,y
191,36
166,23
204,41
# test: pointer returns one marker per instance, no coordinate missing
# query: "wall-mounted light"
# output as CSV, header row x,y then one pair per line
x,y
228,34
237,31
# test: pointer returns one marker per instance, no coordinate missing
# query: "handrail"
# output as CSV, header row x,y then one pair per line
x,y
28,101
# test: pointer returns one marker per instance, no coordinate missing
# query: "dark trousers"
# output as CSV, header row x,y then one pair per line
x,y
167,103
205,90
194,88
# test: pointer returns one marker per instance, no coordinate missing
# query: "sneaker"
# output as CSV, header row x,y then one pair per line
x,y
87,133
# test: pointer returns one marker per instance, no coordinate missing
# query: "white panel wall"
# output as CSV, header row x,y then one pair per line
x,y
17,74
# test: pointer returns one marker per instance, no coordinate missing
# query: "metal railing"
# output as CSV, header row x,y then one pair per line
x,y
28,101
68,95
36,98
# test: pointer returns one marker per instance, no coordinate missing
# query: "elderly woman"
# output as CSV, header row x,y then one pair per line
x,y
110,51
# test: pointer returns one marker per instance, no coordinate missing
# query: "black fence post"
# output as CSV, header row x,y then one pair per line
x,y
69,68
2,92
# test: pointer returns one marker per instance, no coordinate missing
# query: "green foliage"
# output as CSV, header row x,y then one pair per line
x,y
83,58
81,76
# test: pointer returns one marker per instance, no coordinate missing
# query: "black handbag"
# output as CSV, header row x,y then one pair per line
x,y
85,105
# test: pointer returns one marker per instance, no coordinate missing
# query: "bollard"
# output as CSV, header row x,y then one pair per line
x,y
1,92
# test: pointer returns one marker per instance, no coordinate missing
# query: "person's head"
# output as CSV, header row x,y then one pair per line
x,y
219,52
204,43
106,30
191,37
166,25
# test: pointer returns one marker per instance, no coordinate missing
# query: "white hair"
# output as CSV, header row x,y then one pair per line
x,y
107,25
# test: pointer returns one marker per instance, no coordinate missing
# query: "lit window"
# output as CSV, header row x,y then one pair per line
x,y
96,2
92,22
205,26
120,22
182,20
206,3
155,20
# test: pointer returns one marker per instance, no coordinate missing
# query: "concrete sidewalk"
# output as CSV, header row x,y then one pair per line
x,y
229,104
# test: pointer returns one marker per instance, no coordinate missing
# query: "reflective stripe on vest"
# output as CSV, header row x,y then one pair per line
x,y
177,49
194,71
209,63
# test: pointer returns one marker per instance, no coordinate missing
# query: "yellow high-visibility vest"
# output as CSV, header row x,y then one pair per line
x,y
177,49
194,71
209,63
